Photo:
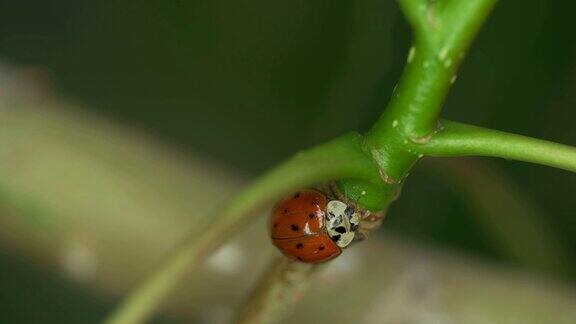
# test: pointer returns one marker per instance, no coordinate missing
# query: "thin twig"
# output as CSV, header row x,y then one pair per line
x,y
278,290
457,139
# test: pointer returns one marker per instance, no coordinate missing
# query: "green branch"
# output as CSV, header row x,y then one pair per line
x,y
416,12
444,30
456,139
340,158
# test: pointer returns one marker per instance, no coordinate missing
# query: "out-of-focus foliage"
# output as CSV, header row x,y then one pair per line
x,y
49,217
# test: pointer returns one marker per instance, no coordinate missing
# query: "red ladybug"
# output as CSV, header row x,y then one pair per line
x,y
308,227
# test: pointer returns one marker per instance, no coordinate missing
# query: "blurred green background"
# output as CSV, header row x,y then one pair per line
x,y
251,82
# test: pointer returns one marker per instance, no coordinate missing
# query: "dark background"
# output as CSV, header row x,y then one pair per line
x,y
251,82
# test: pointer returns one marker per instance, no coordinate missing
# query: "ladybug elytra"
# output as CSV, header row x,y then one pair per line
x,y
311,228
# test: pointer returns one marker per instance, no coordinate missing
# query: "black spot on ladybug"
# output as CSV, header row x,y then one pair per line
x,y
321,247
299,259
299,246
275,225
285,211
340,229
349,211
297,195
311,215
294,227
335,238
315,202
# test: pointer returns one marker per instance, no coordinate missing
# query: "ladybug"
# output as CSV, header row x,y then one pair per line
x,y
311,228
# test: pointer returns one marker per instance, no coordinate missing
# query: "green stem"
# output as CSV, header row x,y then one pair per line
x,y
456,139
339,158
444,32
415,12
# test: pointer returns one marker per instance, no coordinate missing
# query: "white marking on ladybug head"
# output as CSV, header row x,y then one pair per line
x,y
338,222
345,239
353,218
336,208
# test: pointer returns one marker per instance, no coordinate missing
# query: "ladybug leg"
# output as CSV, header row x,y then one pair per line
x,y
369,221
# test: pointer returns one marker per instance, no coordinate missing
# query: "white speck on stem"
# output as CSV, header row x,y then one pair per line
x,y
420,155
448,62
394,123
426,64
363,192
454,77
443,54
411,54
228,259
